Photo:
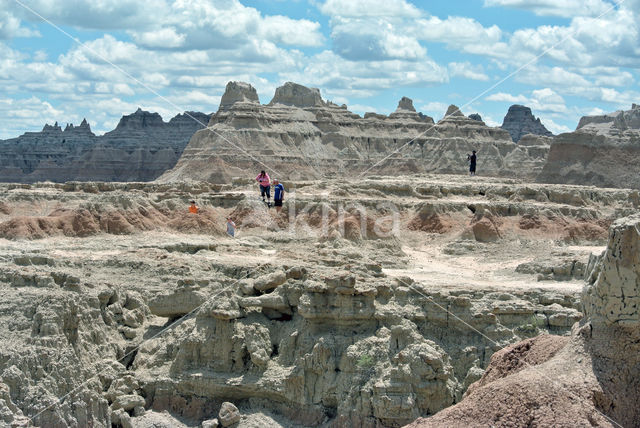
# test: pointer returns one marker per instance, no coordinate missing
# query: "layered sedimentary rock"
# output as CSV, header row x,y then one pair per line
x,y
519,121
589,380
603,151
300,135
140,148
122,308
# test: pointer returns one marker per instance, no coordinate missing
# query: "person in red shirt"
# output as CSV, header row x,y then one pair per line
x,y
193,208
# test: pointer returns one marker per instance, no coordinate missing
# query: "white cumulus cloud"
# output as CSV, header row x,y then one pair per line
x,y
466,69
545,100
370,8
563,8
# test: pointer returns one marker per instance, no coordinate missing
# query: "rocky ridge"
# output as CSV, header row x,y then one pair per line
x,y
519,121
301,135
140,148
603,151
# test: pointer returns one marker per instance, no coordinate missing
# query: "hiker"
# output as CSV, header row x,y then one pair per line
x,y
231,227
472,163
193,208
265,188
278,194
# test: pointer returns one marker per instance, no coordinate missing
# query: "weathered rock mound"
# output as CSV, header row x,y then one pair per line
x,y
141,148
603,151
293,94
114,214
519,121
238,92
589,382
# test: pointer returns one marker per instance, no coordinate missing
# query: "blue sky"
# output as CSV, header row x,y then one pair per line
x,y
178,55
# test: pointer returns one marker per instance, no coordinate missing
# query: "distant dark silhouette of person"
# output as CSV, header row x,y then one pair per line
x,y
472,162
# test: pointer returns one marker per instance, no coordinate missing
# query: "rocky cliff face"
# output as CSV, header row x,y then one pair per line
x,y
141,148
589,380
519,121
603,151
300,135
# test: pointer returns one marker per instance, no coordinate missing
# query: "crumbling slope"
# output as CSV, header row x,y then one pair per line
x,y
590,382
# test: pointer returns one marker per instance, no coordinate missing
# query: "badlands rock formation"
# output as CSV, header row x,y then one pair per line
x,y
141,148
589,380
603,151
367,302
519,121
298,135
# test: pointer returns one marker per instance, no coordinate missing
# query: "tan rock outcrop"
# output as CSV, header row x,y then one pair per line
x,y
229,414
589,380
603,151
612,294
238,92
293,94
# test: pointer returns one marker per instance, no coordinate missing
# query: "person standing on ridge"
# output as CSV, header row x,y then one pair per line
x,y
265,189
278,194
472,163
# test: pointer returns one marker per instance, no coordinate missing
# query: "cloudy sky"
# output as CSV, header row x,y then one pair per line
x,y
68,59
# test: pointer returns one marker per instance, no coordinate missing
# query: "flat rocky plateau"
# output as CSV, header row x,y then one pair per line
x,y
368,302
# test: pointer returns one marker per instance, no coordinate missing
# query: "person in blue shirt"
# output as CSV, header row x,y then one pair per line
x,y
231,227
278,194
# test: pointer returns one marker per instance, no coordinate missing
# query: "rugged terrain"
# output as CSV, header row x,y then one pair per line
x,y
588,379
603,151
366,302
299,135
140,148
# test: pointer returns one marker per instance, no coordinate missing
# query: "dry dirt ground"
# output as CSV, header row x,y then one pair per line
x,y
368,302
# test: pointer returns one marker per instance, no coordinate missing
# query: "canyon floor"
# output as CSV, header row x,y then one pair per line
x,y
367,302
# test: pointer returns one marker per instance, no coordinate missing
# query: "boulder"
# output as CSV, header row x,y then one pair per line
x,y
177,303
229,414
270,281
210,423
128,402
484,230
